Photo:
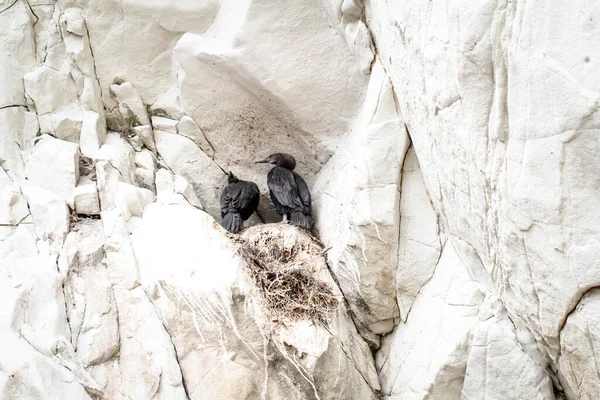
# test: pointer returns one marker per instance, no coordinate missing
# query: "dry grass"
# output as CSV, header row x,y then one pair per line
x,y
281,265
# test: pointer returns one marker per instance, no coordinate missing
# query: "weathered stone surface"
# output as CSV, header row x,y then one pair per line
x,y
188,128
503,117
90,301
147,136
357,202
86,198
165,124
185,158
13,207
419,244
578,359
228,335
36,361
147,365
54,166
457,344
131,107
50,212
500,100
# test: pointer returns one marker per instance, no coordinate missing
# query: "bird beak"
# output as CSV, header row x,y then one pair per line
x,y
265,161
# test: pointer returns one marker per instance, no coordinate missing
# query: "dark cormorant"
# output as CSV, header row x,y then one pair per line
x,y
239,200
289,192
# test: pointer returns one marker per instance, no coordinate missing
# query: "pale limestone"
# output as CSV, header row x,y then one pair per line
x,y
227,337
185,158
13,207
86,197
187,127
357,204
165,124
54,166
50,212
499,100
130,103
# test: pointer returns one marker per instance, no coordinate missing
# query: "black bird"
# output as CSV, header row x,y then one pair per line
x,y
239,199
289,192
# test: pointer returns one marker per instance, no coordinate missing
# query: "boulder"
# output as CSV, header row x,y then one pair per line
x,y
51,214
87,201
185,158
165,124
54,166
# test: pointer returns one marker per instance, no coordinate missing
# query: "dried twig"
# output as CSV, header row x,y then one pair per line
x,y
285,284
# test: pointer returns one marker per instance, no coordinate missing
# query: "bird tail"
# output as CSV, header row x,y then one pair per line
x,y
299,219
233,222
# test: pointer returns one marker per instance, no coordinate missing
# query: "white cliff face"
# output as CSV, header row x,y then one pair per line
x,y
451,150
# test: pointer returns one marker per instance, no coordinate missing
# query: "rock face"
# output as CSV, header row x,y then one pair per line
x,y
451,150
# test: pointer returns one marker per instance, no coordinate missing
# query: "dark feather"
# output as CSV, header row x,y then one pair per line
x,y
241,197
289,191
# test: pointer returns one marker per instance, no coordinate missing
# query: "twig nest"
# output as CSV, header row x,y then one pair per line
x,y
288,267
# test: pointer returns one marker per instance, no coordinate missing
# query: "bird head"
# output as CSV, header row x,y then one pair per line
x,y
231,178
283,160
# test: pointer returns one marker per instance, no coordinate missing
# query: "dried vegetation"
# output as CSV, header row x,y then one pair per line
x,y
282,262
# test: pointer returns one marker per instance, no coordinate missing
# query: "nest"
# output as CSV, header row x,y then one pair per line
x,y
281,260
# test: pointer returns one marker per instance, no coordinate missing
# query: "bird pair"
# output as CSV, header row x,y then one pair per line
x,y
289,194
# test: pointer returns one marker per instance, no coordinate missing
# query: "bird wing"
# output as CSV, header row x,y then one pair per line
x,y
227,199
303,192
248,197
283,186
239,196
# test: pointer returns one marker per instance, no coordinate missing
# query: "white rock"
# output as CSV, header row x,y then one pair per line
x,y
87,128
145,179
36,362
167,104
165,124
63,124
13,207
496,357
86,198
185,158
147,135
17,50
427,356
108,178
419,245
476,86
93,133
54,166
188,128
41,85
130,101
131,200
50,213
147,366
357,204
146,160
90,300
145,59
217,299
577,362
175,189
118,152
183,187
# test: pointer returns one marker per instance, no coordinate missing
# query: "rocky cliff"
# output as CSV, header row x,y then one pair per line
x,y
451,149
